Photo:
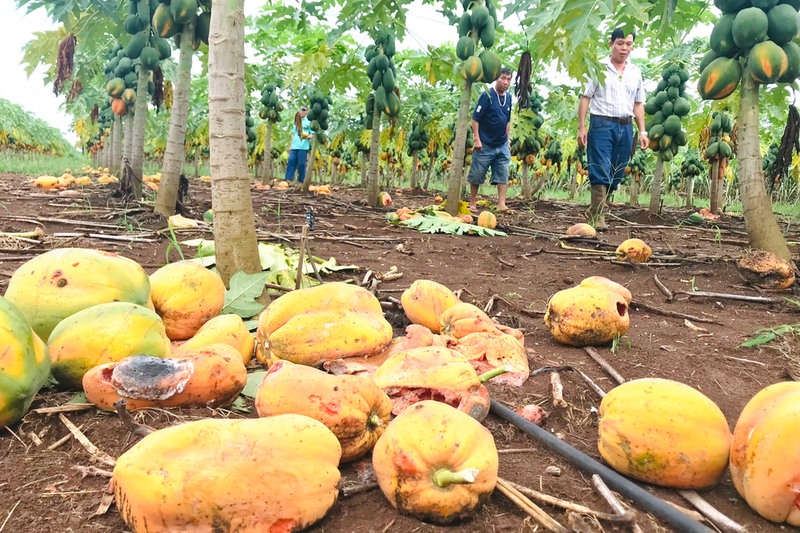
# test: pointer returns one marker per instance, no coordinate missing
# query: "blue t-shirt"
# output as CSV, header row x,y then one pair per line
x,y
493,114
297,142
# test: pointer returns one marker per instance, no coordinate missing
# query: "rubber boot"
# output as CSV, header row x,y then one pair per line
x,y
596,212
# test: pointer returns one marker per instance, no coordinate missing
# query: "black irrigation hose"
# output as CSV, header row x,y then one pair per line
x,y
630,490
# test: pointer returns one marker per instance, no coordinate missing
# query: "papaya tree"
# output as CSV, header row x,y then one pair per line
x,y
236,246
271,112
666,108
761,38
717,142
552,157
526,142
318,109
477,27
691,167
181,21
636,171
417,142
384,99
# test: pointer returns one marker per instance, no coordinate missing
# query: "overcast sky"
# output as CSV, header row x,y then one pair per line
x,y
425,27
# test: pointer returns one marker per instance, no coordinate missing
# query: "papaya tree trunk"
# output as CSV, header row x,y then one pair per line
x,y
527,191
716,186
196,161
762,227
428,176
363,169
127,151
268,170
312,158
573,185
414,171
116,146
635,185
689,191
462,127
236,246
655,188
541,181
175,152
373,185
139,126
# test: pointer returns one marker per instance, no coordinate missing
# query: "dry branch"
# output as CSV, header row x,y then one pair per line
x,y
612,500
99,455
663,288
558,390
137,429
719,519
606,366
66,408
618,516
672,314
530,508
726,296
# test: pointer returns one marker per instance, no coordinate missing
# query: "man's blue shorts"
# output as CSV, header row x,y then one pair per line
x,y
497,157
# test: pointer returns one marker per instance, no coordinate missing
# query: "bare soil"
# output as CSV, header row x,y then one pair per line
x,y
43,492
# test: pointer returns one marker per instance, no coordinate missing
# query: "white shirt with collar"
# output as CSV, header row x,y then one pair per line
x,y
617,96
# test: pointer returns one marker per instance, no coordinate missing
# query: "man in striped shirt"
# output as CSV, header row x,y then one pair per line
x,y
614,105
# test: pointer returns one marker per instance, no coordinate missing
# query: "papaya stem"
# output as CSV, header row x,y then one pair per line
x,y
444,478
375,420
483,378
584,250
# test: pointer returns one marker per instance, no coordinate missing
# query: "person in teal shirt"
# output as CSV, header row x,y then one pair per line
x,y
298,152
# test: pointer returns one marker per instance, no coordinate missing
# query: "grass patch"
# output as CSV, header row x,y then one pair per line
x,y
34,164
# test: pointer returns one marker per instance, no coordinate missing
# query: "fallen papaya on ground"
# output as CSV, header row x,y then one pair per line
x,y
212,376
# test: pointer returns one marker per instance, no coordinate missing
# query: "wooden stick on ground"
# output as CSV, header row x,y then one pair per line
x,y
66,408
663,288
8,517
719,519
558,390
672,314
303,238
612,500
606,366
313,263
618,516
530,508
726,296
99,455
93,471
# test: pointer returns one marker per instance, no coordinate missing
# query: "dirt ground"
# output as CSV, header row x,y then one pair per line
x,y
43,492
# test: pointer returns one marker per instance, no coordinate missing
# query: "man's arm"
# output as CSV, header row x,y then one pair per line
x,y
508,132
638,114
476,137
583,108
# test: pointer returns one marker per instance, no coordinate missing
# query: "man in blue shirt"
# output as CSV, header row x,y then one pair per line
x,y
490,124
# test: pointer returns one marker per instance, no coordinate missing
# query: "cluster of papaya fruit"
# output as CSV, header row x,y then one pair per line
x,y
637,166
418,140
719,142
692,166
272,103
769,159
528,146
318,108
666,107
470,143
478,24
145,50
382,71
250,129
170,16
553,155
760,31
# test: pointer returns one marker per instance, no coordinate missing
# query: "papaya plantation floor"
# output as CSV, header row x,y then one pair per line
x,y
42,491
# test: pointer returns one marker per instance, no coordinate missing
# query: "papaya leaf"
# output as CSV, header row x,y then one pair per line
x,y
79,398
251,325
240,299
254,380
758,341
239,404
435,224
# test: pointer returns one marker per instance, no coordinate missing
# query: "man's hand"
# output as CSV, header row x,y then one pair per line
x,y
477,145
582,137
644,141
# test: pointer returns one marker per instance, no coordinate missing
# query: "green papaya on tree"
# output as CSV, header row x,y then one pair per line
x,y
749,27
792,52
183,11
783,24
491,64
137,44
465,48
767,62
202,26
149,58
471,69
163,23
719,79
